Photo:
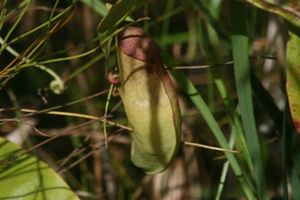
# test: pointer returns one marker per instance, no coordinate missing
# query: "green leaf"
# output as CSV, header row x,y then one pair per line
x,y
117,13
26,177
289,11
293,78
97,6
242,77
196,98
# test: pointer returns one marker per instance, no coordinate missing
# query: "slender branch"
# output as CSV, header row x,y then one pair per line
x,y
209,147
71,114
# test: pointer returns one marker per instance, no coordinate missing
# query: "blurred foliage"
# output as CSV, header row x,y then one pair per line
x,y
44,182
51,60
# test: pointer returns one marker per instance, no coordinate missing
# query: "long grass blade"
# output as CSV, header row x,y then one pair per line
x,y
239,41
234,118
225,168
98,6
196,98
295,183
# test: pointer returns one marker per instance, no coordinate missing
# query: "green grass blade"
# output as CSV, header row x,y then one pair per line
x,y
222,180
295,183
97,5
242,72
195,97
111,88
117,13
2,14
225,168
234,118
14,26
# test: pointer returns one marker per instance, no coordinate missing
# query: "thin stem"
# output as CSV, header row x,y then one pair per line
x,y
105,113
71,114
209,147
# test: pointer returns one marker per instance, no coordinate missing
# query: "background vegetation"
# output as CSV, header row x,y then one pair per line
x,y
228,60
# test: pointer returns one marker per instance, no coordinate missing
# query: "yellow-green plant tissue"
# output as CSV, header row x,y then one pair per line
x,y
150,101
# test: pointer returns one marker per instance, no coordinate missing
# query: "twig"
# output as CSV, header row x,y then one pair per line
x,y
71,114
209,147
